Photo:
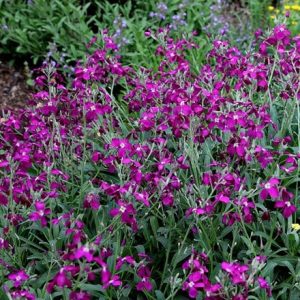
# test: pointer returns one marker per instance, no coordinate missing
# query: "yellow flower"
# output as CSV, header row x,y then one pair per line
x,y
270,8
272,17
287,7
296,7
296,226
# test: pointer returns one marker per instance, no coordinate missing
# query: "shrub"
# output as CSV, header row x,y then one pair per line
x,y
156,184
59,30
29,27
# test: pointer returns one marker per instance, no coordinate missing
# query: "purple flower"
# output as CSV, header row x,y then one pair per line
x,y
144,274
22,294
3,243
121,260
127,213
3,200
142,197
80,296
91,201
122,145
113,281
270,188
198,279
84,251
40,213
222,198
194,283
61,279
236,271
18,278
285,204
264,285
107,278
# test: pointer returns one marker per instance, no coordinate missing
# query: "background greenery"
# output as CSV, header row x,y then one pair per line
x,y
60,29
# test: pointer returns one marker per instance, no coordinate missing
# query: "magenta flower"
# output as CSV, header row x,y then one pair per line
x,y
113,281
144,284
93,110
127,213
121,260
84,73
142,197
270,188
195,282
147,122
238,147
91,201
3,200
122,145
84,251
281,33
18,278
230,218
106,277
22,294
264,285
247,207
40,213
236,271
198,279
163,162
167,199
144,274
60,173
196,210
96,156
110,44
285,204
263,156
222,198
80,296
290,165
105,274
3,243
60,279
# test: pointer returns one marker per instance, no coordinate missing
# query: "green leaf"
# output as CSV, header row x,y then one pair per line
x,y
159,295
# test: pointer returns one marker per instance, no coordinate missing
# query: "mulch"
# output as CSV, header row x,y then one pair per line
x,y
14,91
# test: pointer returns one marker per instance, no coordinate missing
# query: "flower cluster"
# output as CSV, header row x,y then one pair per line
x,y
161,11
242,278
112,179
120,25
289,9
177,19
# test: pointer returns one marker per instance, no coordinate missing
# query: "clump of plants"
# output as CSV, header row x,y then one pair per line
x,y
179,182
59,30
291,11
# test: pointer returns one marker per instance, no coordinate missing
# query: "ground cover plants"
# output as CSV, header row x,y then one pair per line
x,y
174,182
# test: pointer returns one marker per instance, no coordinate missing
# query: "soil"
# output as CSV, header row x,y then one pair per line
x,y
14,91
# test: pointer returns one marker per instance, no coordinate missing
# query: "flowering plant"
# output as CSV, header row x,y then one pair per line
x,y
156,184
